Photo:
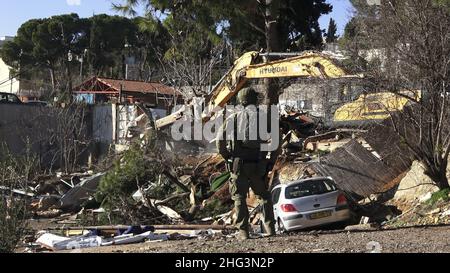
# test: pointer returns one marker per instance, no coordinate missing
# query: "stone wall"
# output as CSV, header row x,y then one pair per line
x,y
320,99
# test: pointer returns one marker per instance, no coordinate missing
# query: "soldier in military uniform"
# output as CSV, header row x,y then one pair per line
x,y
249,168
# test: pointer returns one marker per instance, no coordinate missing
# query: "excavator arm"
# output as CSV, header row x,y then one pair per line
x,y
306,65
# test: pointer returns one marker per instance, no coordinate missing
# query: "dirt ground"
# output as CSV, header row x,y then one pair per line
x,y
404,240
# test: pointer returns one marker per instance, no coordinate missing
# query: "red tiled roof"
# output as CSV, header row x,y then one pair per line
x,y
140,87
113,86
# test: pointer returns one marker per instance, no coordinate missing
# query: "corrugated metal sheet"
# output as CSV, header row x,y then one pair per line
x,y
356,170
383,139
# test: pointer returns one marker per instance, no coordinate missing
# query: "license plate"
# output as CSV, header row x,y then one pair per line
x,y
319,215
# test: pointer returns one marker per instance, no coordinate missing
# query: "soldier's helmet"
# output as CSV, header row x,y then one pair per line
x,y
247,96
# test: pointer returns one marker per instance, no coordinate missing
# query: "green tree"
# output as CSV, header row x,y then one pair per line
x,y
152,38
331,36
276,25
248,22
46,44
42,48
110,36
19,52
194,47
55,39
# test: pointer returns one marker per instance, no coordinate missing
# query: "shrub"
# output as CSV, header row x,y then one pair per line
x,y
439,195
14,174
132,171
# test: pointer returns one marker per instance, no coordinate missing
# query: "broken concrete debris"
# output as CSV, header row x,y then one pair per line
x,y
362,227
78,238
446,213
170,213
79,193
47,201
17,192
424,198
55,242
198,186
195,177
132,239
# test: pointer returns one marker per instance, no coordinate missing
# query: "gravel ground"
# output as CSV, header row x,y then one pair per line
x,y
417,239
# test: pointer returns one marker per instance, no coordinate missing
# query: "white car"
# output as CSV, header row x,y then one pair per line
x,y
308,203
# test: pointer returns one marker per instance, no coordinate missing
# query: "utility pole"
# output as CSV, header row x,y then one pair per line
x,y
82,62
127,48
81,68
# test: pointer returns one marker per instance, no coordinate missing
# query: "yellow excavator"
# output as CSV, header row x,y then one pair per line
x,y
367,108
373,107
251,66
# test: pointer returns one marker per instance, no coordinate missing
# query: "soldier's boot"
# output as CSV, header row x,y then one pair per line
x,y
270,229
241,217
243,235
269,218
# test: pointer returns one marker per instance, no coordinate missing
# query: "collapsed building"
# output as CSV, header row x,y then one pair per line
x,y
358,160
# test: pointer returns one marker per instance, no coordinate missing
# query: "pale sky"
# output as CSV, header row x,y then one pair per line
x,y
16,12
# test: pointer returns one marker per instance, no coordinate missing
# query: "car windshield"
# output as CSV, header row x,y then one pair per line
x,y
311,187
9,98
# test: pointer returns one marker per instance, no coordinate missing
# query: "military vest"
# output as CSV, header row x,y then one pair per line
x,y
246,143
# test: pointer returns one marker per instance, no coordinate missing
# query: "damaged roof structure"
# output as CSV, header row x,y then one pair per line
x,y
356,170
98,89
362,166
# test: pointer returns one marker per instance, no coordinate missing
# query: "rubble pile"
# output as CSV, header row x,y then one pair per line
x,y
76,238
162,195
180,194
423,214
